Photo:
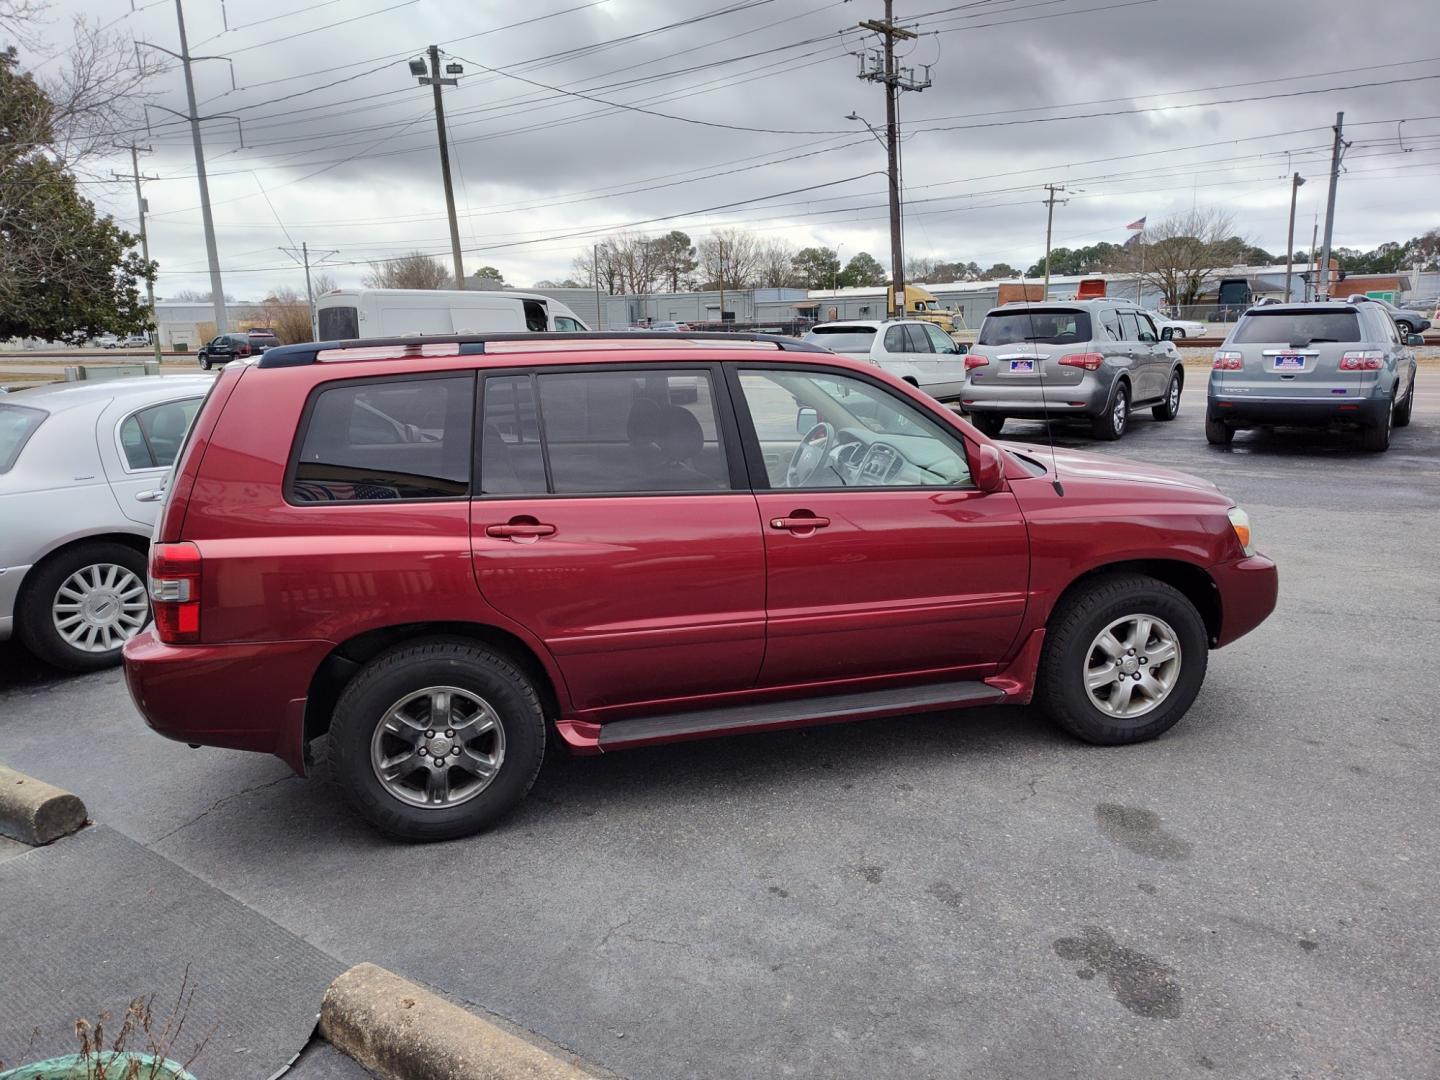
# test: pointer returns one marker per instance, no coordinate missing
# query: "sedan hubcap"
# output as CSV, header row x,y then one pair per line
x,y
1132,666
99,608
439,746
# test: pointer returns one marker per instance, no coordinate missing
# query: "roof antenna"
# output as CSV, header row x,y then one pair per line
x,y
1040,374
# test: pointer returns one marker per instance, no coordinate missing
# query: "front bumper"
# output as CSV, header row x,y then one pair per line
x,y
10,578
1300,412
1248,590
243,696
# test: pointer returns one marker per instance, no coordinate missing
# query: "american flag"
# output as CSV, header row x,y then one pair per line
x,y
1137,225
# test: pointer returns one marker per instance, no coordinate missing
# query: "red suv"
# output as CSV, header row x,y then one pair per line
x,y
441,554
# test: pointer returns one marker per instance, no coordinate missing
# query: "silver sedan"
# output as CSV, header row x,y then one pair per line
x,y
73,549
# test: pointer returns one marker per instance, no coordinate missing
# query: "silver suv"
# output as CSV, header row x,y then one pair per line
x,y
1094,359
1326,364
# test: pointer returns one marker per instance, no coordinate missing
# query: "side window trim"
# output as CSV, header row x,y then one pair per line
x,y
759,476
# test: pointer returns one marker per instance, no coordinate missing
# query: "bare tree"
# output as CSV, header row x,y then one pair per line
x,y
729,258
920,268
413,271
320,284
1176,256
287,313
776,265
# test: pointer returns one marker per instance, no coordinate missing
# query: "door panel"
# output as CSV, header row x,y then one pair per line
x,y
637,597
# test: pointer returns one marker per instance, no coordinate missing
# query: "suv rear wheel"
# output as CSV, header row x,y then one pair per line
x,y
437,740
988,423
1217,432
78,609
1124,658
1403,410
1111,424
1377,438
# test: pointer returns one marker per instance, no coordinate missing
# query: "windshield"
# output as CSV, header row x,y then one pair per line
x,y
843,338
1045,326
1303,327
17,424
339,323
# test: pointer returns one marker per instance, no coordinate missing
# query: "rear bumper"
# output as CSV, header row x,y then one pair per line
x,y
1088,397
243,697
1248,588
1302,412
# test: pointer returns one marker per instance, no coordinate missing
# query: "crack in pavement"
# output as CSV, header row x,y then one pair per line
x,y
219,803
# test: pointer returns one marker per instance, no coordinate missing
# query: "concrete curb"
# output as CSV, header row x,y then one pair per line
x,y
402,1031
35,812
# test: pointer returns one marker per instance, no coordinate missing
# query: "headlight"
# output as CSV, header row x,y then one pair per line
x,y
1240,522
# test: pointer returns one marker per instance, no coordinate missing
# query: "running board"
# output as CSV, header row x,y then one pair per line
x,y
795,712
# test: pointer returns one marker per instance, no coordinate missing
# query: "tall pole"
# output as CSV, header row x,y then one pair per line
x,y
145,245
1337,151
217,289
1295,182
1140,278
310,293
720,245
435,83
1314,259
1050,201
595,276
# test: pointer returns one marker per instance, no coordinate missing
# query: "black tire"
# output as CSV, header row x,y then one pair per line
x,y
1403,410
988,423
1111,424
1217,432
205,363
1170,407
34,622
1377,437
388,678
1074,625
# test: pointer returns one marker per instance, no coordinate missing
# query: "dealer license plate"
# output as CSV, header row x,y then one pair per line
x,y
1022,367
1289,363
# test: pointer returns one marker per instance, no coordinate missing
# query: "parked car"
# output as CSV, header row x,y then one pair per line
x,y
1178,329
672,327
440,561
1329,364
79,467
106,341
918,352
223,348
1090,359
1407,320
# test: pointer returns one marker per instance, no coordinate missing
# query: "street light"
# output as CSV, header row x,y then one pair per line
x,y
1295,184
417,67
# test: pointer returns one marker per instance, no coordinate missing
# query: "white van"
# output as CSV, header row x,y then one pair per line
x,y
372,313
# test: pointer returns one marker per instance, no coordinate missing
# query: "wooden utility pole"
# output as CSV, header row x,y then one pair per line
x,y
1050,202
144,239
1295,182
435,81
883,69
1336,153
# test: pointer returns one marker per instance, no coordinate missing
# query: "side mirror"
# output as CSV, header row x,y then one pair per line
x,y
1166,333
1414,340
989,468
805,419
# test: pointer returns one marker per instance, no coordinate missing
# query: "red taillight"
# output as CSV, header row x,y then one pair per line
x,y
175,592
974,360
1362,361
1090,361
243,350
1228,361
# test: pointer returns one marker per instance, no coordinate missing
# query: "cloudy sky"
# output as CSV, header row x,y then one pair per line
x,y
574,117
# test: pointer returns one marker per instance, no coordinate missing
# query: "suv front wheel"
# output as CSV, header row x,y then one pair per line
x,y
1124,658
437,740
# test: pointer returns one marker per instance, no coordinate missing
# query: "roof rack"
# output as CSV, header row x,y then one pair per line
x,y
300,355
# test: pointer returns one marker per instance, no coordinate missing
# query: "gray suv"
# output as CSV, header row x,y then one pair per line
x,y
1326,364
1092,359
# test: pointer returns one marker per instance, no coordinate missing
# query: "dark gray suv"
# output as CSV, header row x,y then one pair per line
x,y
1090,359
1339,363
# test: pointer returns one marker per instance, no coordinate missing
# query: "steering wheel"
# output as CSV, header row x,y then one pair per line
x,y
809,456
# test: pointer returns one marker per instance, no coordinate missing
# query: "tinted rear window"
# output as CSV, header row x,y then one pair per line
x,y
843,338
387,439
17,424
1297,327
1045,326
339,323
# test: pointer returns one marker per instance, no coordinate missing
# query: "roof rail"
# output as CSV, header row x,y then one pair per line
x,y
300,355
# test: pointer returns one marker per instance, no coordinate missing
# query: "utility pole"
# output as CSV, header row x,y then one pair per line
x,y
1336,153
883,69
1296,182
595,276
1314,275
720,246
304,259
1050,201
144,239
435,82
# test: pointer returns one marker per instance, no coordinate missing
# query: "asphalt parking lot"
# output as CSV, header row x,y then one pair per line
x,y
956,895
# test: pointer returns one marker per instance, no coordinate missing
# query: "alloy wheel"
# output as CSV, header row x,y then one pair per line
x,y
438,747
1120,411
99,607
1132,666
